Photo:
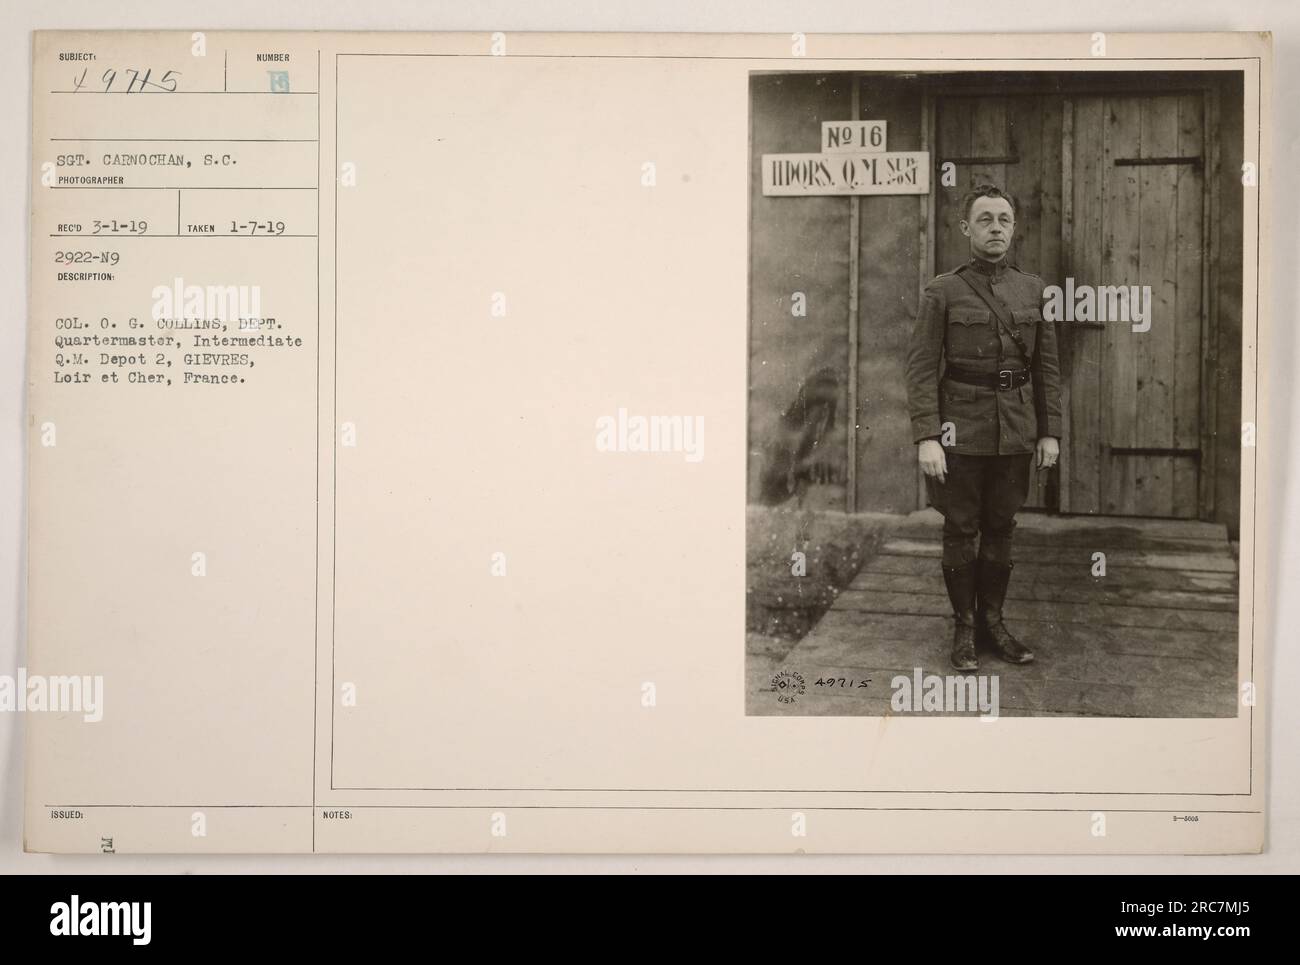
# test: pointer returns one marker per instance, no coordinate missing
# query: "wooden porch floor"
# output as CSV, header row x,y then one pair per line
x,y
1155,637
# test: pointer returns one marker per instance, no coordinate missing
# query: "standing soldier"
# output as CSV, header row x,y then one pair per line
x,y
996,408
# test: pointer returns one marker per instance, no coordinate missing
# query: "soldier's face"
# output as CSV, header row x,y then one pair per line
x,y
989,228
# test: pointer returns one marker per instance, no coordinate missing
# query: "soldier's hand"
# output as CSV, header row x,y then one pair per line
x,y
1047,451
933,461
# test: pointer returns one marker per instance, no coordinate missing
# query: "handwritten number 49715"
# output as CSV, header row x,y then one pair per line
x,y
130,81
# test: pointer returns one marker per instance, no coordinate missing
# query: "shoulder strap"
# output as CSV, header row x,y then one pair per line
x,y
1000,313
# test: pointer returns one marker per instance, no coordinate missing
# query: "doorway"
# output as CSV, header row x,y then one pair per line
x,y
1112,192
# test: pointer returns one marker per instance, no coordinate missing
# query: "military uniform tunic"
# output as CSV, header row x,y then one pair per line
x,y
992,432
956,325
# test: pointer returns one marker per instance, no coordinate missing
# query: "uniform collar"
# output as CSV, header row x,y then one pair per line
x,y
993,268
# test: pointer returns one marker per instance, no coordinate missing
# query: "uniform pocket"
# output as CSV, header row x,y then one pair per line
x,y
972,411
1027,321
968,316
1019,424
970,334
959,392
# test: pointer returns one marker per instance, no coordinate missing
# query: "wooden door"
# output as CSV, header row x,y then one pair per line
x,y
1015,142
1136,194
1111,192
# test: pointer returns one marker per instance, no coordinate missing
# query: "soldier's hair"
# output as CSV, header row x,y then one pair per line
x,y
985,191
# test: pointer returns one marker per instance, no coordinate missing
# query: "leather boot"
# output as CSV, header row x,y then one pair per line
x,y
992,591
960,581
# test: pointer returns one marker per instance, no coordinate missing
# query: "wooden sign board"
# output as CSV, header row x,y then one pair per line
x,y
853,137
805,175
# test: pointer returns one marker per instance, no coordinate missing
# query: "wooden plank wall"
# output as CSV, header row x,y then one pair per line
x,y
1222,365
796,245
1121,227
1148,383
1190,243
889,240
1087,347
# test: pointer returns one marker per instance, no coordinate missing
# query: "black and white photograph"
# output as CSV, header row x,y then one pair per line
x,y
995,393
737,439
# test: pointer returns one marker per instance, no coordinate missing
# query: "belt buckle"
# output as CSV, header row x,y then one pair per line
x,y
1004,379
